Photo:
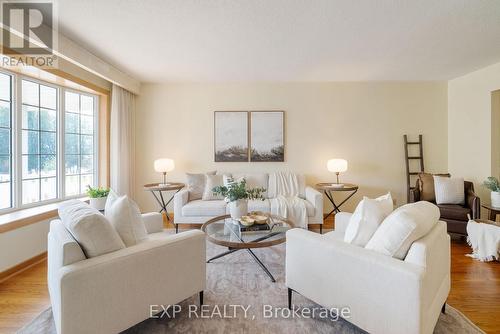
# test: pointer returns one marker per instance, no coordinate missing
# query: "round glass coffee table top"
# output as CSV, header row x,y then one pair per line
x,y
225,231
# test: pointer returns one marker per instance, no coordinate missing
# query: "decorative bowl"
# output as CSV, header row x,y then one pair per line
x,y
247,220
260,219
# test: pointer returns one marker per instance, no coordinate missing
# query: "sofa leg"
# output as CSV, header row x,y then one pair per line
x,y
443,309
201,298
290,298
176,228
320,228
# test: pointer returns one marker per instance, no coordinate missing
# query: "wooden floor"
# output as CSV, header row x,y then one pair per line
x,y
475,290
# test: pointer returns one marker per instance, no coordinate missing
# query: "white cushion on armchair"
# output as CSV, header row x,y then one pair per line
x,y
401,228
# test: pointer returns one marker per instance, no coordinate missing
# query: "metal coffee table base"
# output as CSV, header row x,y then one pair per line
x,y
232,250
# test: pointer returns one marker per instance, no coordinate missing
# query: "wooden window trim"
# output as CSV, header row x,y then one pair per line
x,y
24,217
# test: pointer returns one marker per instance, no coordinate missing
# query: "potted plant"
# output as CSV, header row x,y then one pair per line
x,y
492,184
98,197
237,195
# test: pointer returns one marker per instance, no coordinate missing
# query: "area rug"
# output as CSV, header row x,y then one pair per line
x,y
237,280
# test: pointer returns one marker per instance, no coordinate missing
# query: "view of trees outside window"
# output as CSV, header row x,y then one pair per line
x,y
5,141
47,141
39,142
79,142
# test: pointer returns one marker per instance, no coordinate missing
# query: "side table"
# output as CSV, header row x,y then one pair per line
x,y
329,188
494,211
157,190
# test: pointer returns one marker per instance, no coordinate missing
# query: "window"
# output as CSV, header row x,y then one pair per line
x,y
5,141
79,142
47,142
39,142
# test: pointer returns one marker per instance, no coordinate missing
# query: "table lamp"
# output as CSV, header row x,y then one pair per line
x,y
337,166
164,166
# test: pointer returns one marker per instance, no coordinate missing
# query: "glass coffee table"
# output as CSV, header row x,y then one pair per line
x,y
223,232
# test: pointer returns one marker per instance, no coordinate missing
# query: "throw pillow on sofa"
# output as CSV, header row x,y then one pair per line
x,y
90,228
212,181
196,185
112,197
426,186
449,190
402,227
126,218
366,219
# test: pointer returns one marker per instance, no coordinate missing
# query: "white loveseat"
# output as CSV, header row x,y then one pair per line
x,y
384,294
112,292
199,211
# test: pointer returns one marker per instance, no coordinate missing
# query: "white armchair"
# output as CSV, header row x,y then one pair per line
x,y
384,294
114,291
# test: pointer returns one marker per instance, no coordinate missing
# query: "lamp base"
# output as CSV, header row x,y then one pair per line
x,y
337,185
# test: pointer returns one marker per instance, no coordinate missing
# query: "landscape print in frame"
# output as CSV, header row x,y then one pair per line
x,y
231,136
267,137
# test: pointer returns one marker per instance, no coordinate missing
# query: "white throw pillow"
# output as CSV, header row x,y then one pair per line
x,y
402,227
196,185
126,218
212,181
366,219
449,190
90,228
112,197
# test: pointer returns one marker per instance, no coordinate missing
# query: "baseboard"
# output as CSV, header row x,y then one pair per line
x,y
22,266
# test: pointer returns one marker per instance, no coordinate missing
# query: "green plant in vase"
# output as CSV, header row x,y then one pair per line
x,y
98,197
236,194
492,184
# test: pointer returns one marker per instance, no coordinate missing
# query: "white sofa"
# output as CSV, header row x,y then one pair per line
x,y
199,211
384,294
114,291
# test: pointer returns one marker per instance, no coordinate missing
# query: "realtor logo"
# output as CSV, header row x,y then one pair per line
x,y
29,34
27,28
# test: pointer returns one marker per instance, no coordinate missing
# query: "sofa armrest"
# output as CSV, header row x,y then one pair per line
x,y
473,202
153,222
316,199
181,198
341,221
122,285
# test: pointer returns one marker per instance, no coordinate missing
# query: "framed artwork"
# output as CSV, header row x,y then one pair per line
x,y
267,136
231,136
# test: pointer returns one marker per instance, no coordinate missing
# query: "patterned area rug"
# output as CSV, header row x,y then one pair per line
x,y
237,280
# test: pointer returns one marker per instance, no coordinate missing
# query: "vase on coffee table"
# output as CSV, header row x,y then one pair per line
x,y
238,208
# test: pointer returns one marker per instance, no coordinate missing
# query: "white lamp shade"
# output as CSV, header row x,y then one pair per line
x,y
164,165
337,165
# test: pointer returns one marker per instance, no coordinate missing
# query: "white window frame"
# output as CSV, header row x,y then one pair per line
x,y
16,141
96,140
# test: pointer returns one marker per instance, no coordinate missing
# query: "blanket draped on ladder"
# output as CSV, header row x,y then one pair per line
x,y
287,202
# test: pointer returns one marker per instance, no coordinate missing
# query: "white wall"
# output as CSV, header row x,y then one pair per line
x,y
361,122
472,142
22,244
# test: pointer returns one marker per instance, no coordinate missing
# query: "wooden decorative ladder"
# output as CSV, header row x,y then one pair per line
x,y
420,158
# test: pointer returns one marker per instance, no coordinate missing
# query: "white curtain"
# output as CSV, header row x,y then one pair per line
x,y
122,141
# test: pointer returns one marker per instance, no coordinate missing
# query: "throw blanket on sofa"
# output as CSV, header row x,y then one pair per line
x,y
484,240
287,202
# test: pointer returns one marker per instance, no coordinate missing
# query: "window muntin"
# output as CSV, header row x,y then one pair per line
x,y
39,142
79,148
6,200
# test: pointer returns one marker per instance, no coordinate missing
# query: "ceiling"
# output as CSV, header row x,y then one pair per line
x,y
287,40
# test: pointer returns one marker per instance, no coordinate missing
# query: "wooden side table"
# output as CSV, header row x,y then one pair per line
x,y
494,211
157,190
329,188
